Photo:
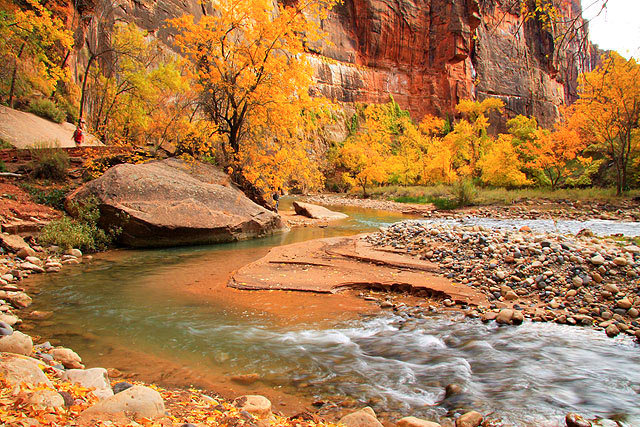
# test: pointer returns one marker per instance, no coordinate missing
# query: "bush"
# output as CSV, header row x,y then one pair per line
x,y
47,109
48,161
81,232
53,197
5,144
464,192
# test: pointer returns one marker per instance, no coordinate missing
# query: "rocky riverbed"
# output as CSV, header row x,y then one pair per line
x,y
570,279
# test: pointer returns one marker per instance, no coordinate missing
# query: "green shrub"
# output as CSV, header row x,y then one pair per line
x,y
47,109
464,192
81,232
3,167
53,197
4,145
49,161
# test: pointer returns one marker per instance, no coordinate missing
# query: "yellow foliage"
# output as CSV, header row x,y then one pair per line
x,y
254,78
500,166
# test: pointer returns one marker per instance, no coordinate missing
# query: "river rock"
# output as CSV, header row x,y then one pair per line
x,y
9,319
17,369
25,252
19,299
504,316
173,202
415,422
575,420
316,212
5,328
121,386
13,242
77,253
361,418
140,401
620,261
95,378
69,358
470,419
597,260
17,343
31,267
45,399
612,330
256,405
624,303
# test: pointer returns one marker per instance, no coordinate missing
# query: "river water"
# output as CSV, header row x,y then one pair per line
x,y
162,304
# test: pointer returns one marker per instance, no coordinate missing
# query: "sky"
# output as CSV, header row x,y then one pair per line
x,y
617,27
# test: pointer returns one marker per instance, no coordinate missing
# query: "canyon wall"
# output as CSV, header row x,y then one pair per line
x,y
427,54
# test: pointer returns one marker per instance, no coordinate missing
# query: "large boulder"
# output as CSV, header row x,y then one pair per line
x,y
17,369
316,212
173,202
13,242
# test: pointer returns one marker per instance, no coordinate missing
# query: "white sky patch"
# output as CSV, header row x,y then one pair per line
x,y
617,27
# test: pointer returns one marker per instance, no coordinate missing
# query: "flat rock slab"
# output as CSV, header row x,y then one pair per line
x,y
335,264
317,212
173,202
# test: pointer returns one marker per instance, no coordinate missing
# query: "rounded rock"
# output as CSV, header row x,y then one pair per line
x,y
138,400
254,404
470,419
415,422
45,399
17,343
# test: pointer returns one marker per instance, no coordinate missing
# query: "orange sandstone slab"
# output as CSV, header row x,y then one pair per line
x,y
339,263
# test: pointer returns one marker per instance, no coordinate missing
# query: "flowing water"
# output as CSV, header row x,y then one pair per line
x,y
171,306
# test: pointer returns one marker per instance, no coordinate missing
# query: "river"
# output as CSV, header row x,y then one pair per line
x,y
167,315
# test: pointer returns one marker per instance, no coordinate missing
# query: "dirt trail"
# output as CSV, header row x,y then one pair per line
x,y
23,130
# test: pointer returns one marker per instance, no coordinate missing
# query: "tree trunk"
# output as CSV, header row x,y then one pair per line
x,y
13,75
84,85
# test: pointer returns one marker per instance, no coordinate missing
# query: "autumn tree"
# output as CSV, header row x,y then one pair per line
x,y
607,114
142,92
469,136
32,42
500,166
254,78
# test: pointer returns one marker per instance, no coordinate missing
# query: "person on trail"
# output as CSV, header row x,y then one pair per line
x,y
78,135
276,198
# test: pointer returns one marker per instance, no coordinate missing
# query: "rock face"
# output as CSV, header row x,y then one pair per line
x,y
427,54
173,202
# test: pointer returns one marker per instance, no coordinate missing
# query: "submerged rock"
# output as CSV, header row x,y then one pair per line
x,y
173,202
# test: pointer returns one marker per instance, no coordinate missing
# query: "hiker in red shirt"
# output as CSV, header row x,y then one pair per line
x,y
78,135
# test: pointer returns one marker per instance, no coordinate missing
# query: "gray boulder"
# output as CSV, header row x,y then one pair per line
x,y
173,202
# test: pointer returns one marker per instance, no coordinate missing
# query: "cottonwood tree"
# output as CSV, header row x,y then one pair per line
x,y
250,66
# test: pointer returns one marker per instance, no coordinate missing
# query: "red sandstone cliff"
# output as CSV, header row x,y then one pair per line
x,y
427,54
